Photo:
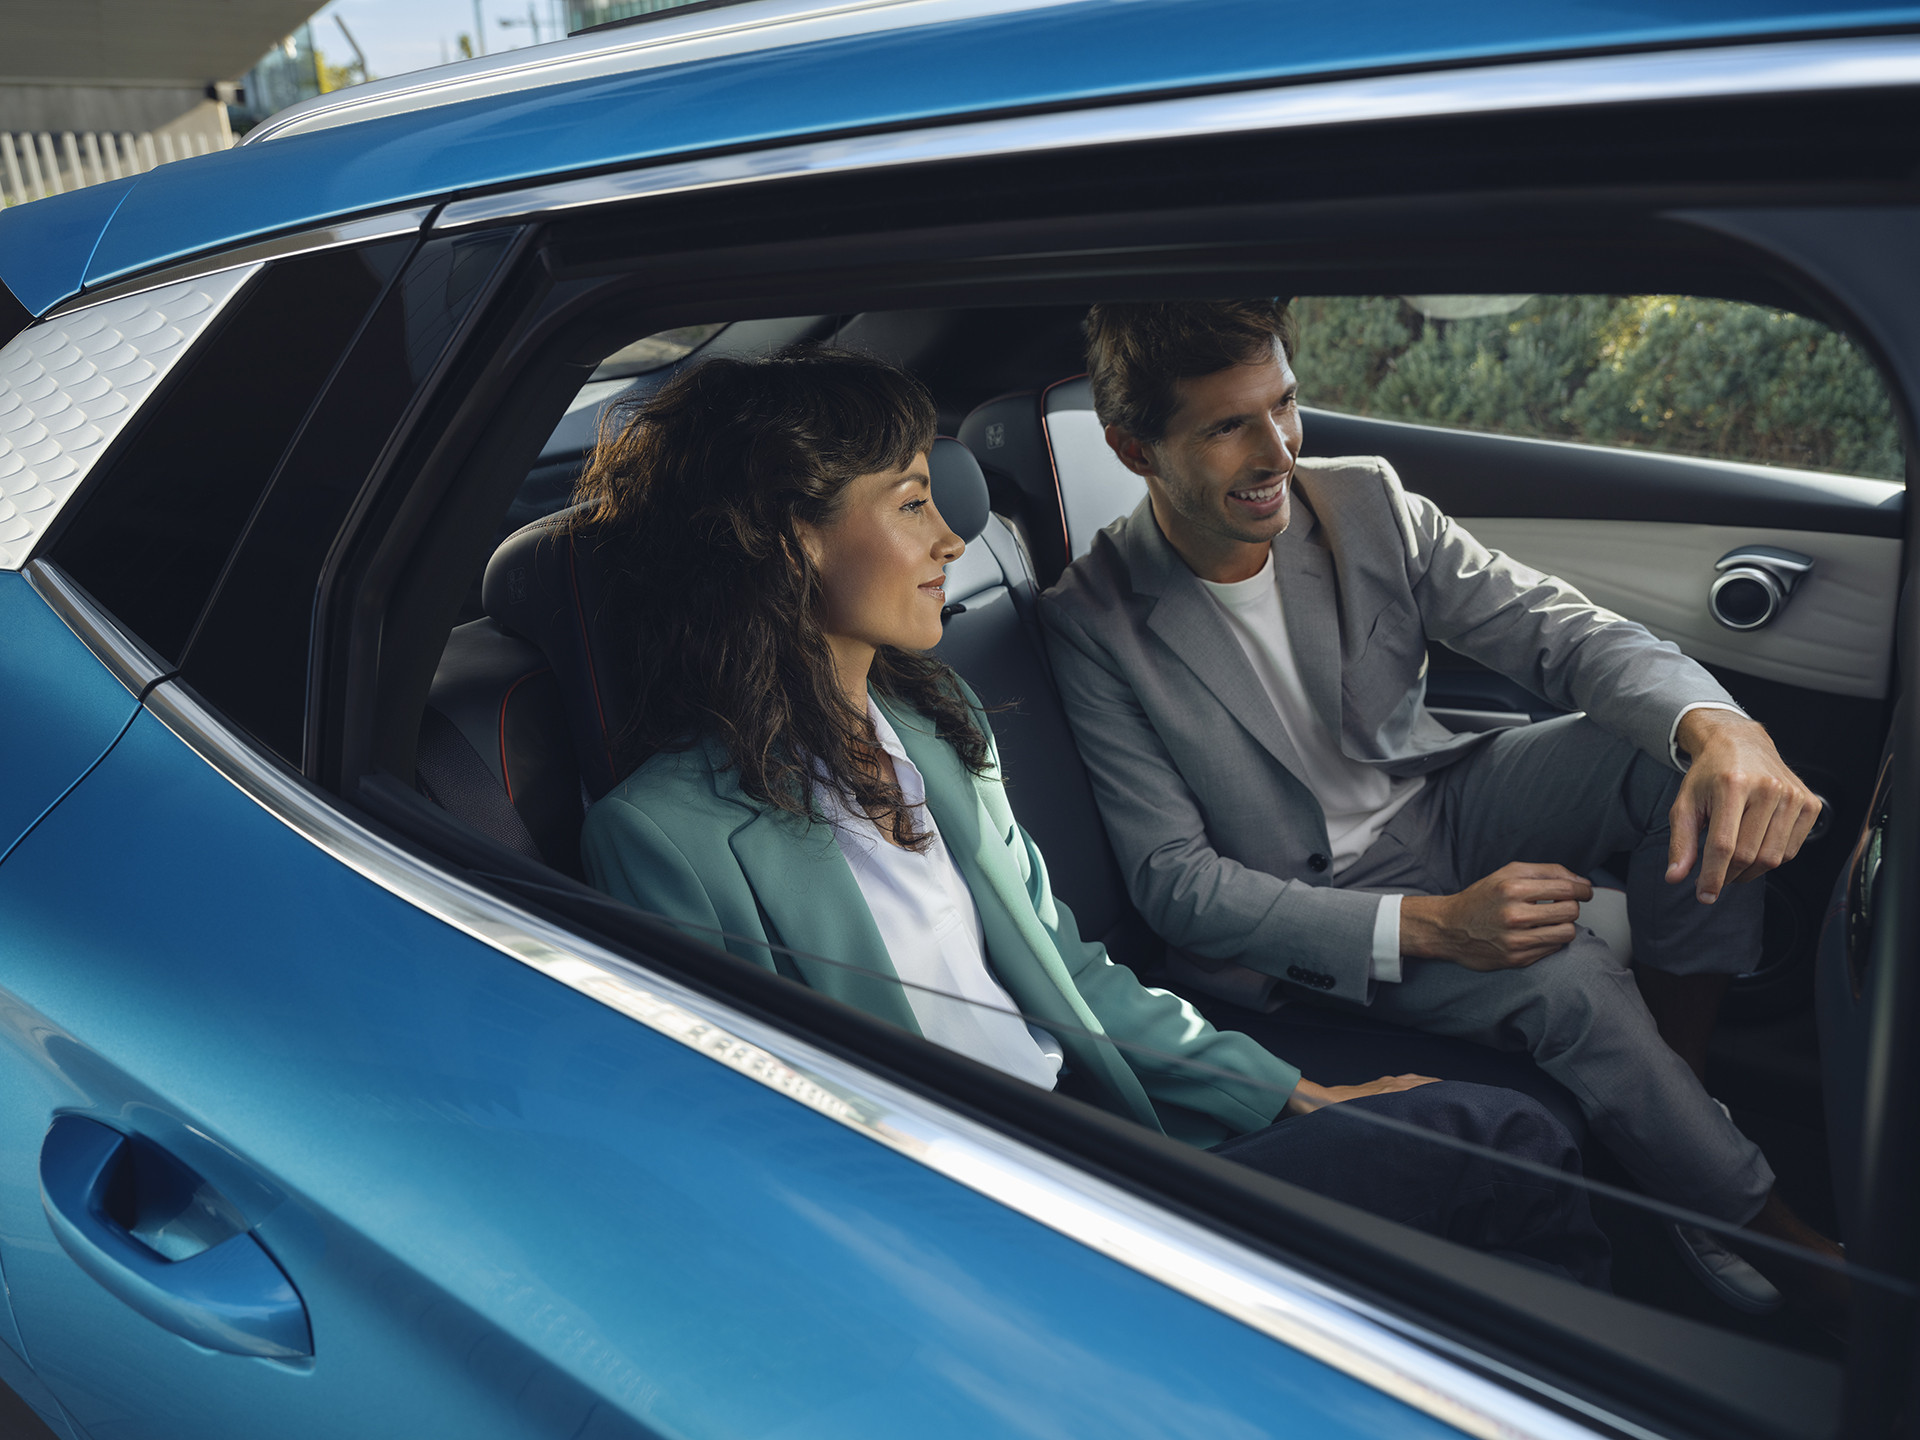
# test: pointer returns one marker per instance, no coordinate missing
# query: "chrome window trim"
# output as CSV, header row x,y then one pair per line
x,y
129,661
383,226
666,40
1721,72
1426,1371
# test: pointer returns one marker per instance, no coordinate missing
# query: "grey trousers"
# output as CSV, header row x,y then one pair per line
x,y
1566,792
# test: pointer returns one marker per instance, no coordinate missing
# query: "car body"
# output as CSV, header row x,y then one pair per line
x,y
479,1160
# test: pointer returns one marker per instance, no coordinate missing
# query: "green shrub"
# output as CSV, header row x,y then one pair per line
x,y
1664,372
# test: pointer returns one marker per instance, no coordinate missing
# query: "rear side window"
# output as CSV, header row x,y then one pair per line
x,y
250,655
149,543
1679,373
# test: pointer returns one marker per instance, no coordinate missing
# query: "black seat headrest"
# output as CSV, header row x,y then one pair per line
x,y
546,583
959,488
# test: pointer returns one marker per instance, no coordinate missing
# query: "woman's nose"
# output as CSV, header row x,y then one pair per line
x,y
949,547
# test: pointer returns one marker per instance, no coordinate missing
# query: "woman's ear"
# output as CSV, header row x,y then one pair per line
x,y
810,541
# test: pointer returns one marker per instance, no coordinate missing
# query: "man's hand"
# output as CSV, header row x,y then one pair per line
x,y
1754,811
1517,915
1308,1096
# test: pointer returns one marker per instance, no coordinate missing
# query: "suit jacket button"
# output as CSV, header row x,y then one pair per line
x,y
1317,862
1326,982
1293,973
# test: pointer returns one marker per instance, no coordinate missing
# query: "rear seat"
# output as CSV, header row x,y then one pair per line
x,y
542,596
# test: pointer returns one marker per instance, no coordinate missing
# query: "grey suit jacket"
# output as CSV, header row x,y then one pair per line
x,y
1196,781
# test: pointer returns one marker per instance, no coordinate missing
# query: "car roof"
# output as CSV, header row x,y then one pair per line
x,y
769,71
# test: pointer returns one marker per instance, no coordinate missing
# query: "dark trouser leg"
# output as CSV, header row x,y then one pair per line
x,y
1684,1008
1589,796
1439,1188
1566,792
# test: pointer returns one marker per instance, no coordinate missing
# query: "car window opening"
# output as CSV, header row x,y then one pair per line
x,y
518,742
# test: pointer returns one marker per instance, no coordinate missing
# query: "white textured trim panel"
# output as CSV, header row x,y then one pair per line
x,y
69,385
1836,634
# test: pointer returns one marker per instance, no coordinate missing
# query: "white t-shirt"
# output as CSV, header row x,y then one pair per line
x,y
1357,799
927,917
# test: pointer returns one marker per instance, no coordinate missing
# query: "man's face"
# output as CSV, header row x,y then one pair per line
x,y
1222,475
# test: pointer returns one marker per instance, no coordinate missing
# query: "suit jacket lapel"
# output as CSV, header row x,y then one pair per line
x,y
1185,617
1311,609
814,905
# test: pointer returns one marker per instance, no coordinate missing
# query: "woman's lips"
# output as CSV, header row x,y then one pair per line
x,y
936,588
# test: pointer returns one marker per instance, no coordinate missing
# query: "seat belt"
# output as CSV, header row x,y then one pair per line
x,y
450,772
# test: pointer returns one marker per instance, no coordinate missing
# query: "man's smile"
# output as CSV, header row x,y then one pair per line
x,y
1260,500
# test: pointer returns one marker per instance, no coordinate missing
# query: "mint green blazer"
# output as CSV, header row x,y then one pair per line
x,y
679,839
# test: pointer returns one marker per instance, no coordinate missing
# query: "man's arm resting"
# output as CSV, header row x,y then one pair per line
x,y
1752,810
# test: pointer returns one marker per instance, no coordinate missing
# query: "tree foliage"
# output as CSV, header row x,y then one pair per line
x,y
1665,372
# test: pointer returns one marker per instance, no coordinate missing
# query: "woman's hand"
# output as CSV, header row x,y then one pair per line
x,y
1308,1097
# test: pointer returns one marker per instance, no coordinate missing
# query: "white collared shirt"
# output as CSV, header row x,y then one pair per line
x,y
927,917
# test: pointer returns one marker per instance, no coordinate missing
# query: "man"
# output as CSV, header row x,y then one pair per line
x,y
1243,659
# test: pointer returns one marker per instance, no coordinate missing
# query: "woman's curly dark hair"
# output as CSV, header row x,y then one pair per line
x,y
695,493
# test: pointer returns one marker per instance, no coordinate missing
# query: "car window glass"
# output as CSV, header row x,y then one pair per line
x,y
151,539
250,655
1677,373
14,317
655,352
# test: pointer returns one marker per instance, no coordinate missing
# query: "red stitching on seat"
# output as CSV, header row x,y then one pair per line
x,y
586,650
506,775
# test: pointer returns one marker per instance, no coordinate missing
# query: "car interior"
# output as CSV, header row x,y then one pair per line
x,y
519,726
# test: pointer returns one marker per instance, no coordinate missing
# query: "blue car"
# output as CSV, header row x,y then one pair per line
x,y
333,1102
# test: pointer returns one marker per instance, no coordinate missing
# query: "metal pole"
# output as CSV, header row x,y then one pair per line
x,y
91,145
354,45
479,28
15,185
34,177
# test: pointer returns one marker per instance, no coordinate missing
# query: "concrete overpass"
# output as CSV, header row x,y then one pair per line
x,y
128,65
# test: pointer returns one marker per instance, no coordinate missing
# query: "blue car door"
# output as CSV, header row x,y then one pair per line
x,y
303,1135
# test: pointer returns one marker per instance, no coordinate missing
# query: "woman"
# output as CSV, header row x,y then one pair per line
x,y
816,788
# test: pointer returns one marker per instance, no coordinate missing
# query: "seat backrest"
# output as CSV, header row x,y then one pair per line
x,y
992,639
1045,452
494,749
547,584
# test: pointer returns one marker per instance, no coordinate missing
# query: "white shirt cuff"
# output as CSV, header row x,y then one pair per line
x,y
1386,941
1673,735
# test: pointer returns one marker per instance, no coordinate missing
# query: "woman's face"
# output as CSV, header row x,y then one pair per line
x,y
882,561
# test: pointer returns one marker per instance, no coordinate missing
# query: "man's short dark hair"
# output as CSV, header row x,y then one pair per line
x,y
1136,350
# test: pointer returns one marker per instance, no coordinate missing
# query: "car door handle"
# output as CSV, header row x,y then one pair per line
x,y
230,1296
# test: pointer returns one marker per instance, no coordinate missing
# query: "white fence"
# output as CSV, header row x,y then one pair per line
x,y
35,166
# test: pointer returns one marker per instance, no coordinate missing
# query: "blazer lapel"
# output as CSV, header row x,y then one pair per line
x,y
1023,954
1312,611
814,906
1185,617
